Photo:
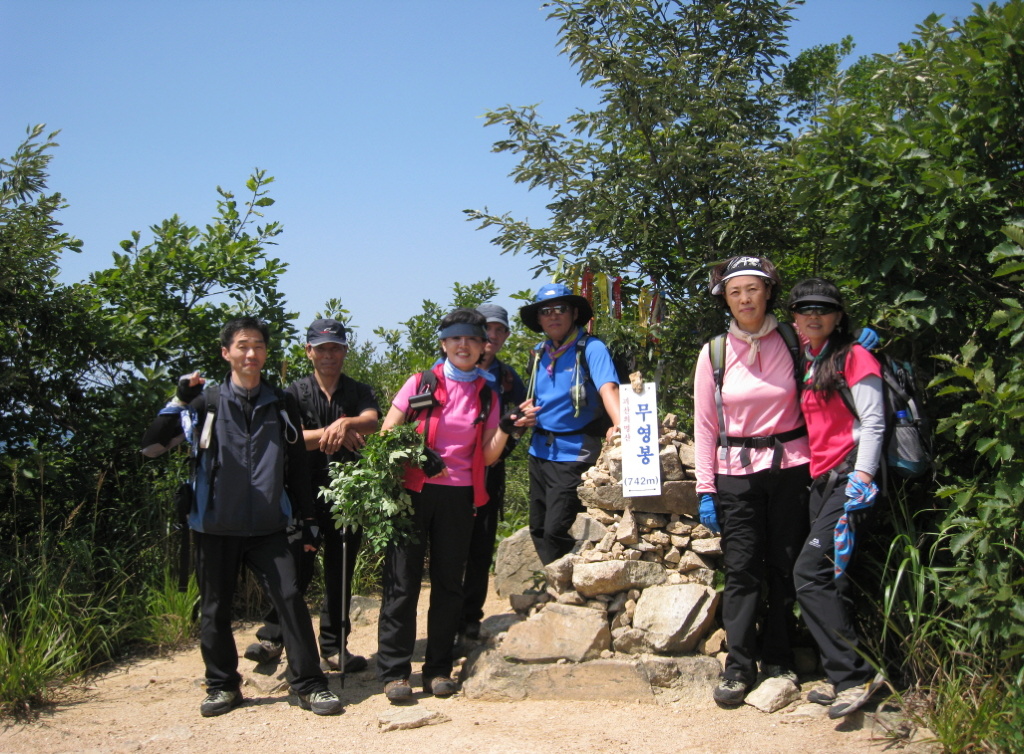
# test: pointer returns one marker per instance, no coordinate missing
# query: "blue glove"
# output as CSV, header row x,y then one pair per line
x,y
708,515
868,339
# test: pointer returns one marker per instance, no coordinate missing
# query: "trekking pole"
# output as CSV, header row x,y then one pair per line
x,y
344,601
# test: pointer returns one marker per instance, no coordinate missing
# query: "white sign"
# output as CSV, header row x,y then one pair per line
x,y
641,467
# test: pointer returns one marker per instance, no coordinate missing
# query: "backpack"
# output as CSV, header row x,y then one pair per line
x,y
601,422
716,350
906,444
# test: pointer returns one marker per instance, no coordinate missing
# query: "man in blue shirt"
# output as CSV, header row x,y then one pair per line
x,y
574,383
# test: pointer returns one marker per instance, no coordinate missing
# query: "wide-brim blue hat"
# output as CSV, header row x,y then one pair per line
x,y
551,293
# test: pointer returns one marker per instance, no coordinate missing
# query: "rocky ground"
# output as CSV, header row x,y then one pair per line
x,y
151,705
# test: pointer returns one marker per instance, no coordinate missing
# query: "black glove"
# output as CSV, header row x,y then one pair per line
x,y
187,393
433,465
507,423
311,534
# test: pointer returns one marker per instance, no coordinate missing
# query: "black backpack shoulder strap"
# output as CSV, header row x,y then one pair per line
x,y
793,344
716,351
581,355
427,382
304,389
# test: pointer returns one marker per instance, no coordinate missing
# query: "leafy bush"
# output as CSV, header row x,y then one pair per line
x,y
368,494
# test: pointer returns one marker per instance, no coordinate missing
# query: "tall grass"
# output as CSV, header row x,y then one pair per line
x,y
171,614
51,635
969,697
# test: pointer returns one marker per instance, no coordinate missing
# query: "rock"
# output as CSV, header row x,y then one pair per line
x,y
490,678
611,461
631,641
675,617
679,541
711,546
627,532
675,497
571,598
606,543
667,672
687,457
671,469
516,564
691,561
602,517
586,529
559,573
649,521
609,577
523,602
659,538
407,718
670,421
678,527
703,576
558,632
493,625
773,694
601,478
673,555
713,643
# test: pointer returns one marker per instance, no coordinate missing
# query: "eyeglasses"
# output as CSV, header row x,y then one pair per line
x,y
547,311
815,309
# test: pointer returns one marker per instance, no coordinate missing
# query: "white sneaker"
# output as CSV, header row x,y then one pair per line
x,y
852,699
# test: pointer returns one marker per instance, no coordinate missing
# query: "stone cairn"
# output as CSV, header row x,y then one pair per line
x,y
636,594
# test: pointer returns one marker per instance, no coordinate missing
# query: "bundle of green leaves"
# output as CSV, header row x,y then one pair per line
x,y
368,494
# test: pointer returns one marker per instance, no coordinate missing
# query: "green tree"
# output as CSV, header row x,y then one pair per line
x,y
677,169
47,342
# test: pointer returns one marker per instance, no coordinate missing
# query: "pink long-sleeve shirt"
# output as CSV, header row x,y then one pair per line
x,y
759,399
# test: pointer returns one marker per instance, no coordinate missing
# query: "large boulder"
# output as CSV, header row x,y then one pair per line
x,y
558,632
675,616
516,564
612,576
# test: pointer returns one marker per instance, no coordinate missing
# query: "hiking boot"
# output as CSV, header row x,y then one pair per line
x,y
321,702
730,692
220,701
398,691
823,695
780,671
353,663
264,651
851,700
440,686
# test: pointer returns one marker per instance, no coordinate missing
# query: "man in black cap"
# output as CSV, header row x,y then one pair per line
x,y
336,412
574,384
512,392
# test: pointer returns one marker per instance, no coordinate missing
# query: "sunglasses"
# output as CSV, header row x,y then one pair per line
x,y
815,309
547,311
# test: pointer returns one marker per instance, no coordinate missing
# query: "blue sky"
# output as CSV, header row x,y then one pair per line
x,y
368,113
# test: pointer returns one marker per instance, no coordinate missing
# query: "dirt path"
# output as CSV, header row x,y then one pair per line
x,y
151,705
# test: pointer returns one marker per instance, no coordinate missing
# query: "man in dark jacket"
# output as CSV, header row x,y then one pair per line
x,y
251,480
336,413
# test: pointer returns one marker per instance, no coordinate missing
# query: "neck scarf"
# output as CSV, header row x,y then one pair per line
x,y
452,372
754,338
812,360
553,353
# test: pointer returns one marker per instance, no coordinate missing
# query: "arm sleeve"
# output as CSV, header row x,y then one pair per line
x,y
600,364
367,400
867,397
705,423
166,431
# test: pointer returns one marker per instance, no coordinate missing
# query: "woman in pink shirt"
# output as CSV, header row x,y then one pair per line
x,y
843,406
752,487
463,429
